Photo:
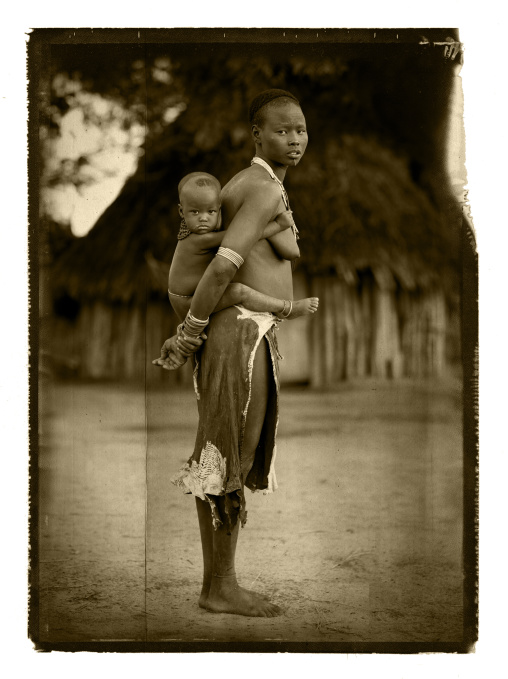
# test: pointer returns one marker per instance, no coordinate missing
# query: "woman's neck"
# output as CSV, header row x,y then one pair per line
x,y
279,170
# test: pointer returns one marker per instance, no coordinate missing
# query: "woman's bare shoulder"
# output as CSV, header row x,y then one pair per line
x,y
253,181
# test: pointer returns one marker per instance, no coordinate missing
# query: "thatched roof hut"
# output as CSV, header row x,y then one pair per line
x,y
369,214
371,246
356,208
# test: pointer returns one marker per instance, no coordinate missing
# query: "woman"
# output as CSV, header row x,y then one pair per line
x,y
236,374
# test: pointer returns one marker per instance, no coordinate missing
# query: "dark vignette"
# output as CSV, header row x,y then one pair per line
x,y
38,53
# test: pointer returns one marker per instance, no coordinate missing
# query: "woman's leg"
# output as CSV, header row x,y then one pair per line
x,y
225,595
206,530
238,293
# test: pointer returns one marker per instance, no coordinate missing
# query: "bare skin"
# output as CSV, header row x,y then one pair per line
x,y
221,592
249,202
238,293
206,528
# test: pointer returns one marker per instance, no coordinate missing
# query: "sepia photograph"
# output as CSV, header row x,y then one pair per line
x,y
253,337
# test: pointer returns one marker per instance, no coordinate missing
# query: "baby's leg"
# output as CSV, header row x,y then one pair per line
x,y
181,306
238,293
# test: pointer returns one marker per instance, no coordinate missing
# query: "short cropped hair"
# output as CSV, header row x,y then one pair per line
x,y
199,179
257,108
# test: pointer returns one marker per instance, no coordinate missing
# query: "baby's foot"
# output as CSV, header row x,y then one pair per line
x,y
303,307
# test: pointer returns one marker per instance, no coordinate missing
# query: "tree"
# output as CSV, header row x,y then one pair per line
x,y
370,187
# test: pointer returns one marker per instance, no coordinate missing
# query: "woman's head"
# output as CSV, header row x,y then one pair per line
x,y
266,100
278,127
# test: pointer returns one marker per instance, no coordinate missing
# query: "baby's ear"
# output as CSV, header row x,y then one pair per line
x,y
219,221
180,210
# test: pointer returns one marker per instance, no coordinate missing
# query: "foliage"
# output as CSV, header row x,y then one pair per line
x,y
369,189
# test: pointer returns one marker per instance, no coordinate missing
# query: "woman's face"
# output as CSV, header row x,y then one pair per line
x,y
282,137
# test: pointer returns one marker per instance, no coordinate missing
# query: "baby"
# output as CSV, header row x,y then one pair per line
x,y
198,241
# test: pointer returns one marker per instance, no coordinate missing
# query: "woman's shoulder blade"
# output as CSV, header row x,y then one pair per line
x,y
249,182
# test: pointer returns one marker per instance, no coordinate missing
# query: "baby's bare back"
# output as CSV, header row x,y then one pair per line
x,y
190,262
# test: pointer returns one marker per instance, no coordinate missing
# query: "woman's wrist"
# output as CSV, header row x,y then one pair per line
x,y
192,326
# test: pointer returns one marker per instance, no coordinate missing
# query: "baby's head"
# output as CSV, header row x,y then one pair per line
x,y
199,195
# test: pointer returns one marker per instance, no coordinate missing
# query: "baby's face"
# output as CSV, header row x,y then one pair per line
x,y
200,207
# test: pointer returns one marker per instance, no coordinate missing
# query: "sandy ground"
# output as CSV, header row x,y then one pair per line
x,y
362,541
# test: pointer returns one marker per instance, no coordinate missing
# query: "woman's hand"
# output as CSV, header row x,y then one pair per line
x,y
188,344
171,357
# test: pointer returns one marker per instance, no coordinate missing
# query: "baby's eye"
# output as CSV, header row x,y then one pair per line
x,y
194,212
302,131
282,132
212,212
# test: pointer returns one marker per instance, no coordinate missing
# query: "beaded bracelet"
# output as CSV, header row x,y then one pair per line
x,y
231,255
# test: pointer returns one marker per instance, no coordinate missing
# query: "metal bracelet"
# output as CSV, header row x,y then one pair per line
x,y
284,315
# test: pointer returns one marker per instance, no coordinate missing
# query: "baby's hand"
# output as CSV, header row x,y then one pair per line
x,y
285,220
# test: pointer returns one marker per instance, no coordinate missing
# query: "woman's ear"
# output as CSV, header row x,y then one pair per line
x,y
180,210
255,134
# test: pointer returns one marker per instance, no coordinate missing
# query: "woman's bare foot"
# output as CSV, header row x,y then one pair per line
x,y
303,307
204,595
226,596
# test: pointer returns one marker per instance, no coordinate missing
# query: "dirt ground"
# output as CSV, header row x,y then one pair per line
x,y
362,541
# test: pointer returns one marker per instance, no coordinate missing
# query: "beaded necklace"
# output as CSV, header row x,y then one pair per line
x,y
184,231
259,161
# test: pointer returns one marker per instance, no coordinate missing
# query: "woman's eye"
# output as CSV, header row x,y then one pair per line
x,y
282,131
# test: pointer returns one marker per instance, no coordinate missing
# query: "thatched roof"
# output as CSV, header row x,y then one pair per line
x,y
369,213
356,206
376,135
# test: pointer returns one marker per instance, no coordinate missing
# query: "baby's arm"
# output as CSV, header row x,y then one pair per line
x,y
283,241
212,240
282,222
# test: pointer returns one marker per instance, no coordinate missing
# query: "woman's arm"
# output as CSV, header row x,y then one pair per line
x,y
258,208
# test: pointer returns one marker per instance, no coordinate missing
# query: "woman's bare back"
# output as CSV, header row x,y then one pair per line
x,y
263,269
